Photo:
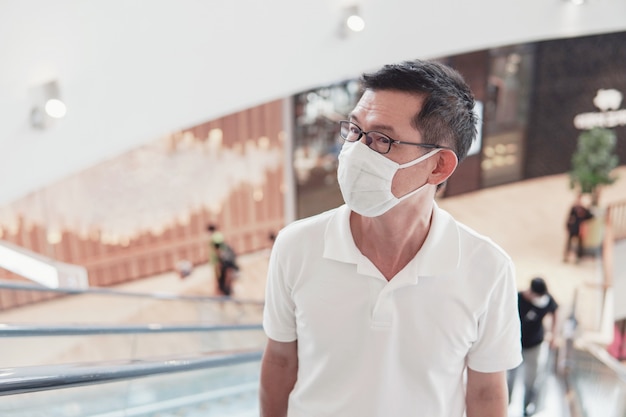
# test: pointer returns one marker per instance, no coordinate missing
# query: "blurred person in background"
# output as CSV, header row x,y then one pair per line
x,y
534,304
227,268
215,238
578,214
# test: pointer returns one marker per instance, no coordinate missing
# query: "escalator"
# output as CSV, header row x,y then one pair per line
x,y
175,356
596,381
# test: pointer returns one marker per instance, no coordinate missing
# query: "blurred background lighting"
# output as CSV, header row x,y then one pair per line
x,y
355,23
46,105
351,21
55,108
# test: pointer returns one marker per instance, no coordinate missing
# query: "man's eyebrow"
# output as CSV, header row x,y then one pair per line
x,y
377,127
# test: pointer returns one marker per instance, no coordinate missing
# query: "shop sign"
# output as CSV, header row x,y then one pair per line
x,y
608,101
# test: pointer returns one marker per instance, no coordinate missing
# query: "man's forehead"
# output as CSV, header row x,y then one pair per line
x,y
386,109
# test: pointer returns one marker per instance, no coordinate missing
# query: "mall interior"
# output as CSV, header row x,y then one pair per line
x,y
129,127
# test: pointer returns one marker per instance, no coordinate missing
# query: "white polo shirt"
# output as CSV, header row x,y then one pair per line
x,y
372,347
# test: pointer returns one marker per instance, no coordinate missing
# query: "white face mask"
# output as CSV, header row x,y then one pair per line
x,y
541,301
365,178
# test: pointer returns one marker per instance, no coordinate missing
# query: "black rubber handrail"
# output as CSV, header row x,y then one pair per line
x,y
22,330
51,377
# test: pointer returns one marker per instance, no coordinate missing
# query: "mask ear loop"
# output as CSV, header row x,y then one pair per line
x,y
420,159
410,164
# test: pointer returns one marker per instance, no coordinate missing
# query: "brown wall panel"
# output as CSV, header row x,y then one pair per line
x,y
111,258
475,68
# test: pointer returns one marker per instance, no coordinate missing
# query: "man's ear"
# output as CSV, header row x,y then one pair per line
x,y
446,164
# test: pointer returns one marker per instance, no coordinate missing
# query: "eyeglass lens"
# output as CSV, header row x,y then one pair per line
x,y
375,140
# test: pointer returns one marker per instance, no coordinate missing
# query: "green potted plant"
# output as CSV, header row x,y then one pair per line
x,y
592,166
593,161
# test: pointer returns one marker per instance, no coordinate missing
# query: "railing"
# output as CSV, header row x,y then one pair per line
x,y
209,386
41,378
116,308
614,230
13,285
596,380
616,216
31,378
9,330
218,381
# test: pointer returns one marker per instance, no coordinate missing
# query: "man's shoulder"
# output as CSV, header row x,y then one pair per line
x,y
308,225
470,237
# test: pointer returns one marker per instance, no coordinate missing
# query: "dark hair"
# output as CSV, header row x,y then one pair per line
x,y
447,117
538,286
211,227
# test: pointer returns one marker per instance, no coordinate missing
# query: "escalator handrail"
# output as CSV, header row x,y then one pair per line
x,y
50,377
38,330
10,285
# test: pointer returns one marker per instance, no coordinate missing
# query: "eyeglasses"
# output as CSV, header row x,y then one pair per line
x,y
376,141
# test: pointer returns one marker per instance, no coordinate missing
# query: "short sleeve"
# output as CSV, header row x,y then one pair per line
x,y
279,311
498,345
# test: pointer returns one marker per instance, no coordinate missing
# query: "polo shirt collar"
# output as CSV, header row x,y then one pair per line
x,y
440,253
338,241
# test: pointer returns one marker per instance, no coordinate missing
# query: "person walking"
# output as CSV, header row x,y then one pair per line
x,y
227,268
392,307
215,239
534,304
578,214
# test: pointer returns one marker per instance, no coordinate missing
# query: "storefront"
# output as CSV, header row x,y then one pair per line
x,y
528,97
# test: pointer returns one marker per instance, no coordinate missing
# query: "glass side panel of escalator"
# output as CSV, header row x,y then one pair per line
x,y
230,391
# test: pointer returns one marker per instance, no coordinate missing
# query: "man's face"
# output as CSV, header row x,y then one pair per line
x,y
391,112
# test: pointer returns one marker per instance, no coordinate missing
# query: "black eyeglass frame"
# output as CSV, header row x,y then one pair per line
x,y
391,140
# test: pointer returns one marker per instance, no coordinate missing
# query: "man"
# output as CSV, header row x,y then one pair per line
x,y
387,306
534,305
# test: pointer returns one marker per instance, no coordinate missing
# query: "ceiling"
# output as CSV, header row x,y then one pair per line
x,y
133,71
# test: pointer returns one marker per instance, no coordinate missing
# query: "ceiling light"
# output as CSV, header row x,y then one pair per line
x,y
55,108
355,23
351,21
46,105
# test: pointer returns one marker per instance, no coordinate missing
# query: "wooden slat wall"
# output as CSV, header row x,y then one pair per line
x,y
246,222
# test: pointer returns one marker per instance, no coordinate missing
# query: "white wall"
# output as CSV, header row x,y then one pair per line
x,y
133,71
